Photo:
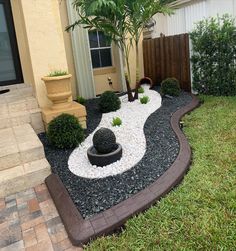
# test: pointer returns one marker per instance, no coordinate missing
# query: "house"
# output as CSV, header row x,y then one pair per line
x,y
188,12
34,42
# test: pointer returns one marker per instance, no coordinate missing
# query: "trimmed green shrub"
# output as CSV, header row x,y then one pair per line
x,y
116,121
140,90
109,102
65,131
81,100
213,56
170,86
144,100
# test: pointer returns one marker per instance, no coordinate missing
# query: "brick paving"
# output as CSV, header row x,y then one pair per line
x,y
29,221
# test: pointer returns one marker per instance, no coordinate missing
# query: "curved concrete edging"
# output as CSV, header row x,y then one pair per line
x,y
81,231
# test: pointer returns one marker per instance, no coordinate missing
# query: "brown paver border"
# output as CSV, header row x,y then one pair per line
x,y
81,231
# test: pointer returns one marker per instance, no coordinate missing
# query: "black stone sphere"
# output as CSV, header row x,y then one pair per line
x,y
104,140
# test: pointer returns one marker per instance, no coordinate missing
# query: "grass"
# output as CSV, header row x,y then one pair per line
x,y
200,214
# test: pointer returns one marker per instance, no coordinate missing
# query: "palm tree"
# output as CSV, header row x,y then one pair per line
x,y
140,12
122,21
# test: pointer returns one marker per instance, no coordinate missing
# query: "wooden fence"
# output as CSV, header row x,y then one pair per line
x,y
168,57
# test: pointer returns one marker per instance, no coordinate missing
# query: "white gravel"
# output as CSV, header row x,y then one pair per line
x,y
130,135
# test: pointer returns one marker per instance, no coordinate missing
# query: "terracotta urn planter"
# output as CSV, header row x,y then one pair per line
x,y
59,90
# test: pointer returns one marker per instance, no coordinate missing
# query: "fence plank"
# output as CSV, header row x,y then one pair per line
x,y
157,54
168,57
162,58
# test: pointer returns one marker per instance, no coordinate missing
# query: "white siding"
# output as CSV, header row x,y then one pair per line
x,y
176,23
193,14
185,17
220,7
161,25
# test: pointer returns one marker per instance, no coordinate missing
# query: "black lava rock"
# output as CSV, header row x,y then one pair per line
x,y
92,196
104,140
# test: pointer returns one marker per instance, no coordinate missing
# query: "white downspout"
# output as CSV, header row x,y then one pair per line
x,y
82,58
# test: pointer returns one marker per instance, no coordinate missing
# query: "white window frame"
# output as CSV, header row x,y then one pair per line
x,y
101,48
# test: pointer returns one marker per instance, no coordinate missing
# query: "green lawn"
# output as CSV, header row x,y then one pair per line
x,y
201,213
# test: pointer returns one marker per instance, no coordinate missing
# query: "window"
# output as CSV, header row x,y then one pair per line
x,y
100,49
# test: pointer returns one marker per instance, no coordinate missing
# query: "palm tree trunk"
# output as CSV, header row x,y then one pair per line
x,y
128,76
137,70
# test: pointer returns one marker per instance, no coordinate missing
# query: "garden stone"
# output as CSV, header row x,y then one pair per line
x,y
98,159
104,140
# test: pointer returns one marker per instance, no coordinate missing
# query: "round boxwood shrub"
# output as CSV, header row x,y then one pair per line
x,y
109,102
104,140
65,131
170,86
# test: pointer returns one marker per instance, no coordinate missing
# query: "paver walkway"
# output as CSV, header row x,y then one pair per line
x,y
29,221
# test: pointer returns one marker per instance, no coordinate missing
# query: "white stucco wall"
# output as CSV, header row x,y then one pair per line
x,y
188,14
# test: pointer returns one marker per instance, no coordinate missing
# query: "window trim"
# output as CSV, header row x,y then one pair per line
x,y
104,70
101,48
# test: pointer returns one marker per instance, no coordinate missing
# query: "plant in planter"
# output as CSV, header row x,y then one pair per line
x,y
57,73
58,85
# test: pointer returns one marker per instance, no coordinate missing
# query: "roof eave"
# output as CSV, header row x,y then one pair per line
x,y
179,3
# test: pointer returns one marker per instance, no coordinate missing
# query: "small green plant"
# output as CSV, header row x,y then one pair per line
x,y
144,100
65,132
116,121
170,86
57,73
109,102
140,90
81,100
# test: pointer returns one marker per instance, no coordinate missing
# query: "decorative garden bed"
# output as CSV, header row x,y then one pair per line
x,y
91,197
